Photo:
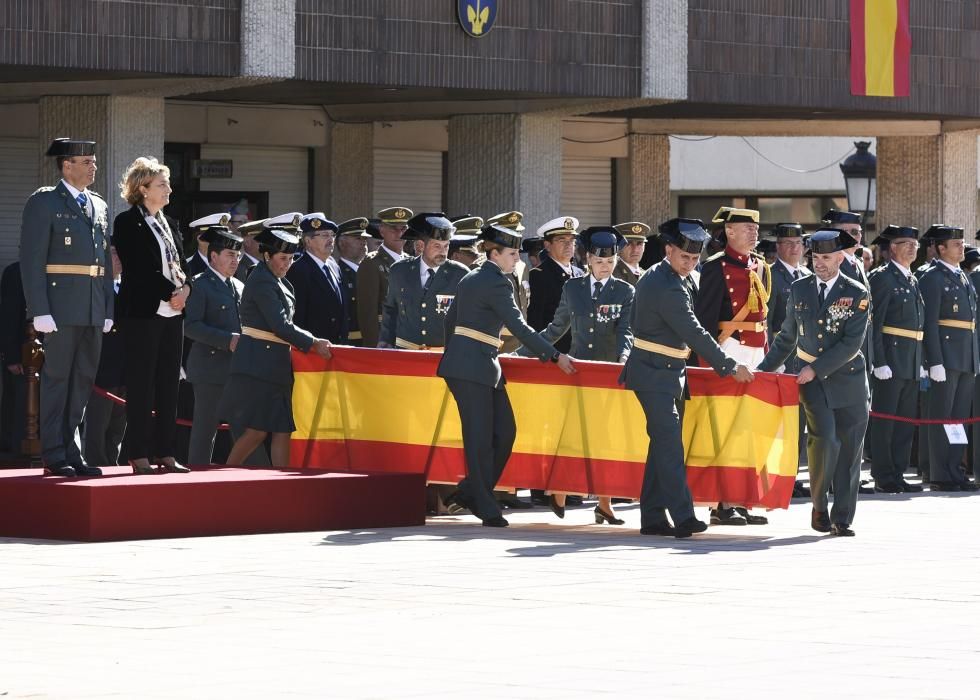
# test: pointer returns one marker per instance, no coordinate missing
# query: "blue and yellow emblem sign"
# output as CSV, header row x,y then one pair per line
x,y
477,16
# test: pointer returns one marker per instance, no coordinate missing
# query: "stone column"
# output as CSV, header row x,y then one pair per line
x,y
504,162
923,180
268,37
643,180
124,127
344,172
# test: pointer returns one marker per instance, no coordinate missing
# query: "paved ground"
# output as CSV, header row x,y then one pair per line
x,y
545,609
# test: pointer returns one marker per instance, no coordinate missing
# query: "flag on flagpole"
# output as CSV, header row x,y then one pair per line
x,y
881,48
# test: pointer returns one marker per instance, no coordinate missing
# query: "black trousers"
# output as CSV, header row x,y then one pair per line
x,y
489,432
665,475
153,351
891,448
105,426
71,360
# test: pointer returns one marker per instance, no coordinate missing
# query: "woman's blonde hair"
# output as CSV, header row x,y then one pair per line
x,y
138,174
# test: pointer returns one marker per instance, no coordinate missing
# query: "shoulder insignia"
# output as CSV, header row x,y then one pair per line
x,y
42,189
96,194
717,256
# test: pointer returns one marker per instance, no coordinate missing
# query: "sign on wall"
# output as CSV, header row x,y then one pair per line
x,y
477,16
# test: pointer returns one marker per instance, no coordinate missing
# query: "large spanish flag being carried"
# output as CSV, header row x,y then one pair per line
x,y
881,48
385,410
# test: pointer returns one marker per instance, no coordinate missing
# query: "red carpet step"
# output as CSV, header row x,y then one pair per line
x,y
208,501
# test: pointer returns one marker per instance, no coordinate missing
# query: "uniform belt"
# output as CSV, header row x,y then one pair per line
x,y
903,332
354,335
751,326
506,332
953,323
262,335
662,349
87,270
477,335
408,345
807,357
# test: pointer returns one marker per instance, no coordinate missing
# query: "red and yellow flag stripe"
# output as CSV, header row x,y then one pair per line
x,y
881,48
385,410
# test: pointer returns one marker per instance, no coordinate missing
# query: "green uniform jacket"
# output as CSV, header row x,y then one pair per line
x,y
267,305
949,295
210,318
485,303
897,304
663,313
55,231
833,333
372,289
624,273
414,314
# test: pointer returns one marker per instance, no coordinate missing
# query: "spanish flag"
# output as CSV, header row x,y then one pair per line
x,y
881,47
385,410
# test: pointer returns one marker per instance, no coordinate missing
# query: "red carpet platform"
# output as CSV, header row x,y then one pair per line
x,y
208,501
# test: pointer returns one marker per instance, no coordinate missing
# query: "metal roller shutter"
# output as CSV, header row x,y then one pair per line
x,y
282,172
18,178
410,179
586,190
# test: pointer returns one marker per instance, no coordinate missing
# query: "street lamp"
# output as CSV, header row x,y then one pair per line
x,y
860,178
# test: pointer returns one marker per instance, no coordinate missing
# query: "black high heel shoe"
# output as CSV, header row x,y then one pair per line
x,y
555,508
142,466
169,464
602,516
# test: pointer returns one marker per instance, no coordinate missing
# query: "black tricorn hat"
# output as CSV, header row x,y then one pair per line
x,y
829,240
687,234
66,148
792,230
501,235
835,216
938,233
431,226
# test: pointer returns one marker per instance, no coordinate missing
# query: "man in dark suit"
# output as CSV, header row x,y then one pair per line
x,y
826,320
211,321
105,419
13,334
951,354
352,238
896,334
665,330
321,307
420,290
786,269
547,279
67,277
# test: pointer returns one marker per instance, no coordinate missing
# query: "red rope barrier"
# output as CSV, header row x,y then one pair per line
x,y
926,421
122,402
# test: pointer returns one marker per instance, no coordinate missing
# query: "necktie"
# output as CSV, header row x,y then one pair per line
x,y
82,202
596,290
330,279
231,288
822,295
428,278
796,275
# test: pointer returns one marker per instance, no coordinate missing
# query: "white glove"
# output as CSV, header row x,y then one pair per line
x,y
45,324
937,373
922,373
107,325
883,372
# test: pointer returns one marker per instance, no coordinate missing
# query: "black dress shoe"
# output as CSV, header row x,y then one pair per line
x,y
910,488
511,501
689,527
555,508
865,490
968,486
840,530
886,487
456,500
663,529
726,516
602,516
59,469
499,521
82,469
943,486
820,521
572,500
750,518
539,499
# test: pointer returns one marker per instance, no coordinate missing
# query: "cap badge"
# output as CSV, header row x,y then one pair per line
x,y
637,229
570,224
315,223
399,213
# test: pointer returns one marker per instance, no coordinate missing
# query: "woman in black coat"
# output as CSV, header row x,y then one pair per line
x,y
149,310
